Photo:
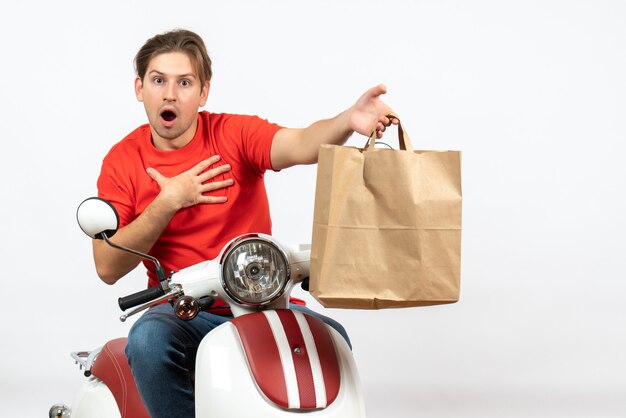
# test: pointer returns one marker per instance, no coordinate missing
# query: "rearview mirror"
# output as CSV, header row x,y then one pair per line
x,y
97,216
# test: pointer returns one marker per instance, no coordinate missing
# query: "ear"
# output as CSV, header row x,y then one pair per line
x,y
139,88
204,94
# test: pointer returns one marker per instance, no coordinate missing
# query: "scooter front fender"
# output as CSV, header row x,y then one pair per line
x,y
225,386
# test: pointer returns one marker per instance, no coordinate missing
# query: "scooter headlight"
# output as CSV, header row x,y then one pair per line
x,y
254,271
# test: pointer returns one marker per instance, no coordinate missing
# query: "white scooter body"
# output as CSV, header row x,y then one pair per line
x,y
228,387
225,384
95,400
229,390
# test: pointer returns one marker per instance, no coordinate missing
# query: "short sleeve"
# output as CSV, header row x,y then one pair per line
x,y
113,188
257,137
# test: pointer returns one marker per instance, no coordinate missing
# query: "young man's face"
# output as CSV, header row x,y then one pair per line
x,y
171,94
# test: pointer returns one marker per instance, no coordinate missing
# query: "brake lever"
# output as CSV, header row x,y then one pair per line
x,y
176,291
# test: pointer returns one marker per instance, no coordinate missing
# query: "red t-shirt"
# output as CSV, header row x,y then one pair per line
x,y
199,232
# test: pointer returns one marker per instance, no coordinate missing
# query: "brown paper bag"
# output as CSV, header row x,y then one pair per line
x,y
386,227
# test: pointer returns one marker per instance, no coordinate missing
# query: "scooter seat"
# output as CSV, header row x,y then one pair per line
x,y
111,366
292,358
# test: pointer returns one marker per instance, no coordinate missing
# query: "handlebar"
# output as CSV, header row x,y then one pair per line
x,y
138,298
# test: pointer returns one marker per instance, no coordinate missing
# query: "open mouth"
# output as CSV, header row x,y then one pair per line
x,y
168,115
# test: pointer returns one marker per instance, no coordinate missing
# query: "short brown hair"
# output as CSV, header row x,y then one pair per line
x,y
178,40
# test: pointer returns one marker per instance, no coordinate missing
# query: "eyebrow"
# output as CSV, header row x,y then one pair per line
x,y
157,72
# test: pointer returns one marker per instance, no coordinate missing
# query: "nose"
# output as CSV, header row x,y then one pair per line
x,y
169,93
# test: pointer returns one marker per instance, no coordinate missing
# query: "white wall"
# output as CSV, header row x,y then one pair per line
x,y
532,92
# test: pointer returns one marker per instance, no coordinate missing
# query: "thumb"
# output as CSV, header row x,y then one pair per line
x,y
155,175
378,90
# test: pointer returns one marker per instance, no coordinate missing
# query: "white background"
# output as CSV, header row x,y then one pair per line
x,y
532,92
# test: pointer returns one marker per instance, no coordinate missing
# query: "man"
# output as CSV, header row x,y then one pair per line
x,y
187,183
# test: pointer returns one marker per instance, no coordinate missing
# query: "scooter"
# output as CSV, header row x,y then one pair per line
x,y
269,361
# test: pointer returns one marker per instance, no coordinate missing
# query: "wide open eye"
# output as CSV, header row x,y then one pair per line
x,y
254,271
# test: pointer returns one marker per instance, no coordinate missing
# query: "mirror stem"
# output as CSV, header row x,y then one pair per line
x,y
159,269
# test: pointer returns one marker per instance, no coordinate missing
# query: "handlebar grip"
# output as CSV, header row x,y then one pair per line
x,y
138,298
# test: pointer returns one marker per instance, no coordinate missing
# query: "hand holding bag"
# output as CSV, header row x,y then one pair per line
x,y
386,226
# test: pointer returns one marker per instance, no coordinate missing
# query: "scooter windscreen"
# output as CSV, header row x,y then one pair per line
x,y
255,271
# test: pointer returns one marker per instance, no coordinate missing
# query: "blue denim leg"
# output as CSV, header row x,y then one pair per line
x,y
329,321
161,351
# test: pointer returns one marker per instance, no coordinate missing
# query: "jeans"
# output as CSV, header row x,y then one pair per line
x,y
161,351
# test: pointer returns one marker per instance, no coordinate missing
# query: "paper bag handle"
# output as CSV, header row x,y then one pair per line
x,y
403,137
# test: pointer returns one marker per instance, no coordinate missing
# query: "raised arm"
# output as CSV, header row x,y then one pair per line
x,y
184,190
300,146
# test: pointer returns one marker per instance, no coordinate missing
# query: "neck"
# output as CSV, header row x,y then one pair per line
x,y
165,143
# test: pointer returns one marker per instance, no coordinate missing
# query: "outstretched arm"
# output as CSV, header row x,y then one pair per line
x,y
300,146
